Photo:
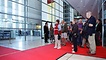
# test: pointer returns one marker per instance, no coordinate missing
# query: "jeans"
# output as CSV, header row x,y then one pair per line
x,y
79,39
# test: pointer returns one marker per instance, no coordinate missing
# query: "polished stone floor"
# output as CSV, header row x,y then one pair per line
x,y
21,44
32,42
69,56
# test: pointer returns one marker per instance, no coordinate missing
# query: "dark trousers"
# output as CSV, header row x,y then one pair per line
x,y
79,39
51,37
70,36
46,38
75,43
98,38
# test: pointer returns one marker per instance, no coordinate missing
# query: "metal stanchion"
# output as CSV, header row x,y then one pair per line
x,y
103,1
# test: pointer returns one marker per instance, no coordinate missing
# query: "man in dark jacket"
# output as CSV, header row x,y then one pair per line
x,y
91,33
75,36
46,32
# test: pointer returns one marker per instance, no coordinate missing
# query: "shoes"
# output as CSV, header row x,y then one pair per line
x,y
81,46
87,47
63,44
73,51
89,53
59,48
72,46
55,47
46,42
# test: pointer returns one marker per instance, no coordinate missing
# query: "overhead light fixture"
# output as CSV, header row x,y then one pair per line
x,y
38,27
81,0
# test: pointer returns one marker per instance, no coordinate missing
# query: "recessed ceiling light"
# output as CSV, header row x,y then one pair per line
x,y
81,0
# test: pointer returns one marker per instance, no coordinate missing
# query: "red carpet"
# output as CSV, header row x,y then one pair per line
x,y
49,53
100,52
4,50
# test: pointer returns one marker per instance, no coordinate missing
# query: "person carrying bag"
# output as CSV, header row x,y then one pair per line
x,y
57,33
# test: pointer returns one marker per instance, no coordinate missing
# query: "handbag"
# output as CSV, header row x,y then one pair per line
x,y
59,37
75,35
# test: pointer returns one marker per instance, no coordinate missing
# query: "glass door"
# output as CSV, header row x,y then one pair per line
x,y
103,22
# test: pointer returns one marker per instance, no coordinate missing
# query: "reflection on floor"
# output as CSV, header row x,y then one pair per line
x,y
32,42
69,56
20,44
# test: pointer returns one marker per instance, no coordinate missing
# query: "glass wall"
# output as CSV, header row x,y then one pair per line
x,y
19,18
51,11
68,12
26,18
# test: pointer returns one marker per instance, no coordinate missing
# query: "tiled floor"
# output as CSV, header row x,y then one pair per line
x,y
78,57
31,42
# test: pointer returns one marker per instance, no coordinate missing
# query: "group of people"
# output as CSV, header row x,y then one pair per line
x,y
77,32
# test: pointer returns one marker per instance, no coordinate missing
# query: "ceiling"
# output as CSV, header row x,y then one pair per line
x,y
82,6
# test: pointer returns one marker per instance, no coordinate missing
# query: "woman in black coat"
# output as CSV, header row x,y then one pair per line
x,y
98,32
46,32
